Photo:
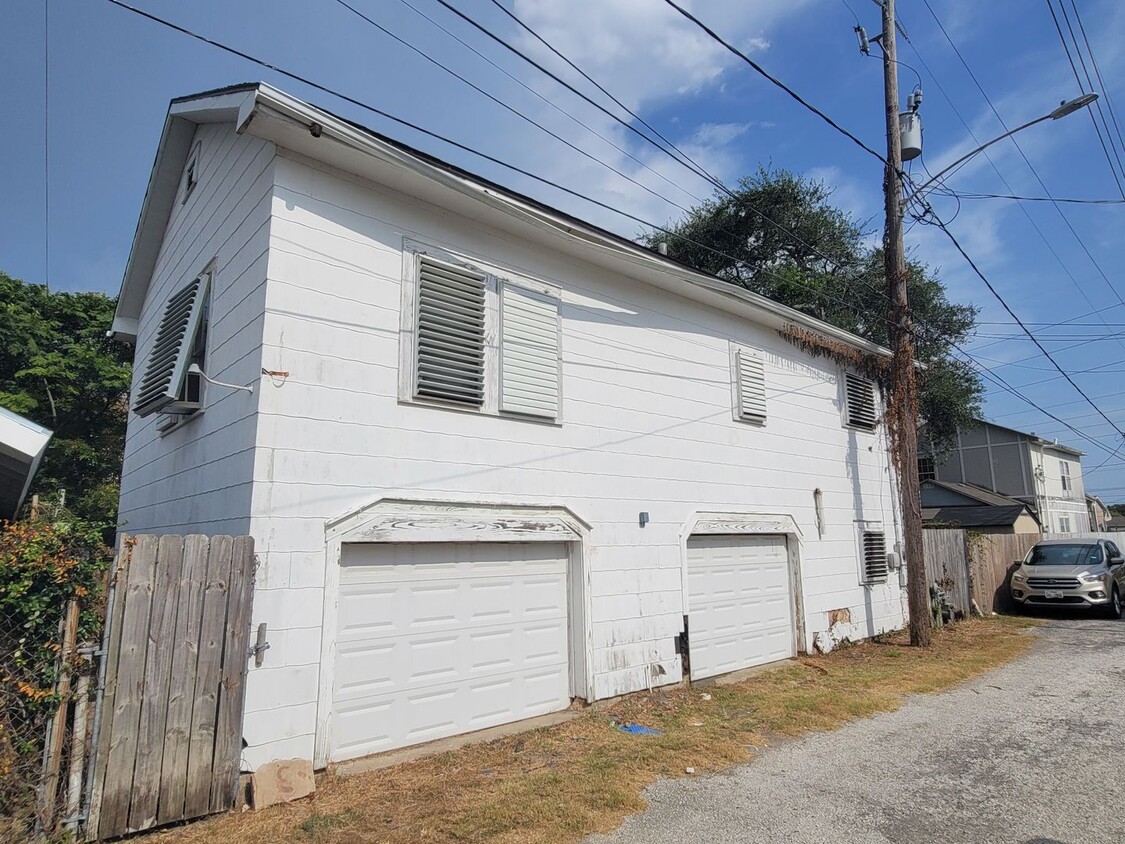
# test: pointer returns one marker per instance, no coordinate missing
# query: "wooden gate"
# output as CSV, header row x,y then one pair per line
x,y
169,742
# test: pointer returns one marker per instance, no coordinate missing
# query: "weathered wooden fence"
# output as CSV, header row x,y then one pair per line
x,y
992,560
946,565
974,567
169,741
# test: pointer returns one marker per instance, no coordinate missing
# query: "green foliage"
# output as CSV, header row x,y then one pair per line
x,y
755,229
58,368
44,564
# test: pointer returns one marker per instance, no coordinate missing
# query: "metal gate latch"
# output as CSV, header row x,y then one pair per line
x,y
259,648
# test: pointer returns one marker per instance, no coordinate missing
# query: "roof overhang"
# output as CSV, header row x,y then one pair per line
x,y
22,444
294,125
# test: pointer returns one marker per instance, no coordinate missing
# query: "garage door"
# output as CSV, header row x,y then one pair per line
x,y
739,603
437,639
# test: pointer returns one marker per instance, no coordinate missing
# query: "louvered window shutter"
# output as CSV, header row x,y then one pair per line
x,y
860,402
450,340
171,351
751,386
874,557
529,352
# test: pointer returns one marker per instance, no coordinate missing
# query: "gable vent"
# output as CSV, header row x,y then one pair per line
x,y
751,386
529,352
874,557
450,361
860,400
168,361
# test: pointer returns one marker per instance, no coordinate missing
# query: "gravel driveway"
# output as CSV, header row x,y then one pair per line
x,y
1031,753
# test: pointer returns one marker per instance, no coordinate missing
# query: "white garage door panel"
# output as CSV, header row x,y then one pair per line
x,y
739,603
440,639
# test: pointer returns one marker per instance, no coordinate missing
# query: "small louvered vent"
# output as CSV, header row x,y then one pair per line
x,y
529,354
171,351
860,402
874,557
450,332
751,386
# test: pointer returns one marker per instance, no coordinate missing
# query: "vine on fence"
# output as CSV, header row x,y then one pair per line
x,y
45,562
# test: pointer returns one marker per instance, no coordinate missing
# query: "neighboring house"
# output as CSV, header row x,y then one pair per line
x,y
966,506
1041,473
22,444
1099,513
493,457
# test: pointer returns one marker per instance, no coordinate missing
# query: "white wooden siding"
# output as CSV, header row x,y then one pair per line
x,y
646,425
199,477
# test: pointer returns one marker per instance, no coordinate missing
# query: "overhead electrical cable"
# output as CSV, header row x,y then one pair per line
x,y
458,145
429,133
1098,73
1023,155
1089,85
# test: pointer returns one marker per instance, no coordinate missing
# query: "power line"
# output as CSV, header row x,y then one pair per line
x,y
1023,155
686,159
1098,73
47,144
1068,200
856,140
773,79
957,245
456,144
1090,83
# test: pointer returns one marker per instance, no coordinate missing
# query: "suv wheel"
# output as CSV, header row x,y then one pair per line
x,y
1115,603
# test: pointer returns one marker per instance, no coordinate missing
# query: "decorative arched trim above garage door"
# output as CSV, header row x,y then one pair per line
x,y
422,520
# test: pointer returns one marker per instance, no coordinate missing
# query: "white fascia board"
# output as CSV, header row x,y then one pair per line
x,y
647,265
160,195
27,441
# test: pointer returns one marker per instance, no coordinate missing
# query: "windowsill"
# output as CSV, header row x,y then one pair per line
x,y
414,401
174,423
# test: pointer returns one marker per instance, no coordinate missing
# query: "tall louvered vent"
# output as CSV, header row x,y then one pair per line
x,y
860,402
874,557
171,351
450,363
751,386
529,352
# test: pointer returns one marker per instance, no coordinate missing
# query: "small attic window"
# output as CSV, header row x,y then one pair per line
x,y
191,173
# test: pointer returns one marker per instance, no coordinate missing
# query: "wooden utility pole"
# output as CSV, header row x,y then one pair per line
x,y
902,410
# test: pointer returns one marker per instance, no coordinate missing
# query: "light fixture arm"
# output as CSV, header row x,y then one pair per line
x,y
1065,108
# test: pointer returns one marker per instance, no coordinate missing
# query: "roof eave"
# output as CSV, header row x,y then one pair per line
x,y
230,104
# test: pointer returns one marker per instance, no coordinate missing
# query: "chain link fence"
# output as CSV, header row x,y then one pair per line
x,y
53,571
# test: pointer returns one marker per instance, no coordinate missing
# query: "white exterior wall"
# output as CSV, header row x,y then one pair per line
x,y
1054,502
197,479
646,426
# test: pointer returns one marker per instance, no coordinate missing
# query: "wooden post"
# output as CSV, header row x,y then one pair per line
x,y
49,788
78,739
904,386
35,507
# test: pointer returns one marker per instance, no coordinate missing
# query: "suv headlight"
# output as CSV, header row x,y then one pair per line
x,y
1090,577
1018,577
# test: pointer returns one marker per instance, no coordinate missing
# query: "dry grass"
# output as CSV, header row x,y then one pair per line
x,y
561,783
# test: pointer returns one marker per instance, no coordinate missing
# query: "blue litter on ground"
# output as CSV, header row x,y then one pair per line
x,y
638,730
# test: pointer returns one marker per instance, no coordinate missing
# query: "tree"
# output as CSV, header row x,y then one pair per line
x,y
58,368
780,236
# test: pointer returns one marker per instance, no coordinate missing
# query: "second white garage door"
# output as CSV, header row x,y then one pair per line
x,y
436,639
739,603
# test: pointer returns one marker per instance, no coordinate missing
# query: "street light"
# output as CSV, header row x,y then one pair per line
x,y
1065,107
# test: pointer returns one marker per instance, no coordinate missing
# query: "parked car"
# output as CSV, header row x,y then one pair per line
x,y
1078,573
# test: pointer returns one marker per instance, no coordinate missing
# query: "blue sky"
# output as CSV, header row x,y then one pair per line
x,y
112,73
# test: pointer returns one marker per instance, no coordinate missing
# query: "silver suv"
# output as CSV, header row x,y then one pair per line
x,y
1078,573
